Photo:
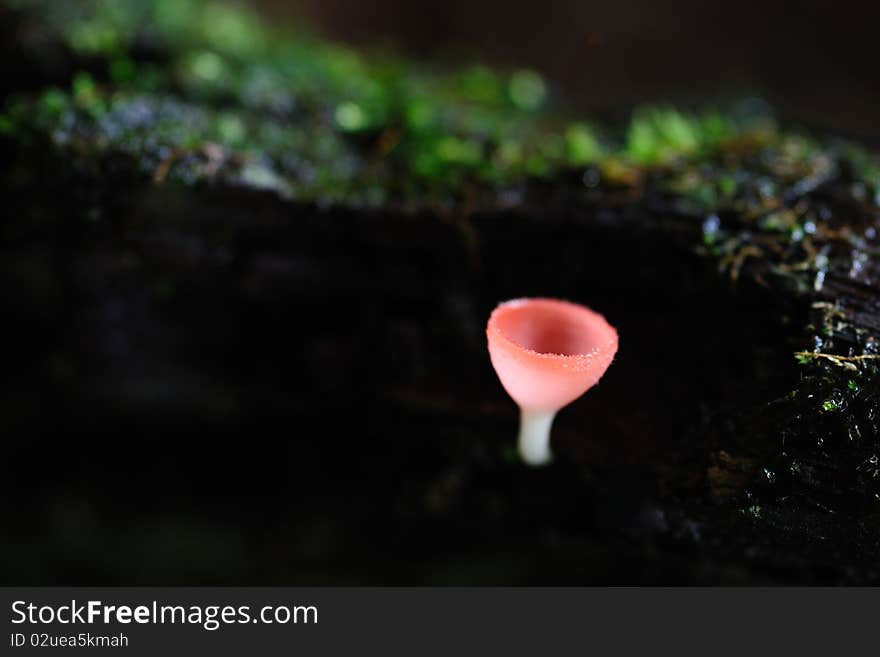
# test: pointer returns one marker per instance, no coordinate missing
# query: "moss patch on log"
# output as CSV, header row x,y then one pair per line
x,y
194,89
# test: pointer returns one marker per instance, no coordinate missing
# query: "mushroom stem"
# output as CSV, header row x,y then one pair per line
x,y
534,435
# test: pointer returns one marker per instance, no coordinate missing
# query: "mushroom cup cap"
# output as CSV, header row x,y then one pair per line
x,y
549,352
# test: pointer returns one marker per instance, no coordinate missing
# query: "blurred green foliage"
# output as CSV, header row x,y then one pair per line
x,y
331,123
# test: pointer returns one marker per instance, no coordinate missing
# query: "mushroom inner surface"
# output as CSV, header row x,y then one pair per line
x,y
551,327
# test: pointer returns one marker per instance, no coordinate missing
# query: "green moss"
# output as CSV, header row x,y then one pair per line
x,y
331,120
52,103
660,134
581,144
830,405
753,512
527,90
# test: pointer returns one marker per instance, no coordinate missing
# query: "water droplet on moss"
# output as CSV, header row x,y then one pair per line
x,y
711,228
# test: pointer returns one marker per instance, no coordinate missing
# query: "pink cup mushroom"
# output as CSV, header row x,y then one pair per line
x,y
547,353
